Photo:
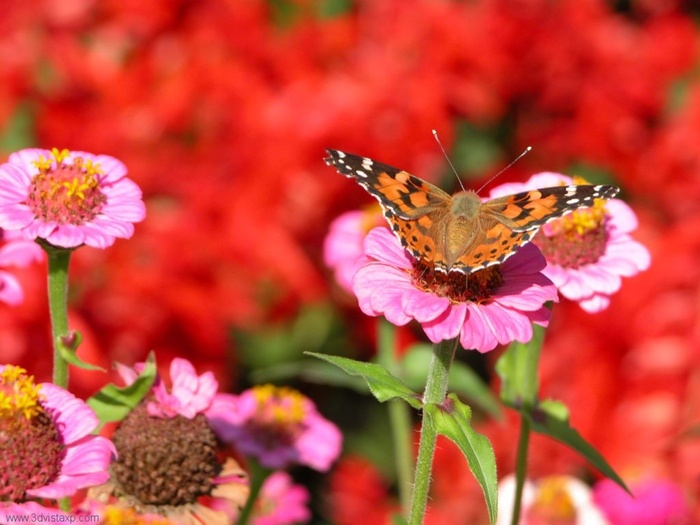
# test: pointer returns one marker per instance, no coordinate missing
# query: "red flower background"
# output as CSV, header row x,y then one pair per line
x,y
222,111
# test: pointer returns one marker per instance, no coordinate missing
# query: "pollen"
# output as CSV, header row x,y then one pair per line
x,y
576,239
19,395
553,502
279,406
65,192
31,447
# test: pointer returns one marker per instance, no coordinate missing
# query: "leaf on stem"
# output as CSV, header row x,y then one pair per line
x,y
381,382
113,403
452,419
551,419
68,346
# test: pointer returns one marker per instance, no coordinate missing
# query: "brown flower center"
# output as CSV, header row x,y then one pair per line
x,y
477,287
164,461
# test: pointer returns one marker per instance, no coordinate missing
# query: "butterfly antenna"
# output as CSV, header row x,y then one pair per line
x,y
435,134
527,150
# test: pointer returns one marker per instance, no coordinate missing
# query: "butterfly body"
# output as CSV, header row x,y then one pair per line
x,y
461,232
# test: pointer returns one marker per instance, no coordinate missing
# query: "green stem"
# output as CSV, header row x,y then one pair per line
x,y
521,467
58,308
435,391
258,475
399,416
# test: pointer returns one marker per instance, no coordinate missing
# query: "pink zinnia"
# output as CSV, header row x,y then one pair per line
x,y
46,447
483,309
655,502
342,247
589,250
168,462
190,394
280,427
18,252
68,198
281,502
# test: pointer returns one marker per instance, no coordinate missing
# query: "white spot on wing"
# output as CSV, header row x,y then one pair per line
x,y
367,164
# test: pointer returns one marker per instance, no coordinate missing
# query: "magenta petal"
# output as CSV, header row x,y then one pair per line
x,y
380,244
423,306
10,289
448,325
476,333
71,414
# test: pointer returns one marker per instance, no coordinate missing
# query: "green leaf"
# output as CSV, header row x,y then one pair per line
x,y
68,346
113,403
382,384
310,371
452,420
463,380
551,418
517,368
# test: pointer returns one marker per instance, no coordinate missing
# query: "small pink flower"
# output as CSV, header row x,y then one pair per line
x,y
281,502
190,394
68,198
168,461
18,252
280,427
655,502
342,248
563,500
47,448
489,307
589,250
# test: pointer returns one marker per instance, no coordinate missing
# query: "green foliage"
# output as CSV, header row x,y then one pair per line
x,y
452,420
462,380
517,369
113,403
382,384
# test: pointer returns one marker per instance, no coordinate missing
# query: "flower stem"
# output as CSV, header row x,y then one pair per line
x,y
399,416
258,475
521,468
435,391
58,309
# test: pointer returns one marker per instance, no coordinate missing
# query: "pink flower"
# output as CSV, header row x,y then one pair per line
x,y
19,252
68,198
489,307
655,502
280,427
589,250
168,461
190,394
342,248
48,449
563,500
281,502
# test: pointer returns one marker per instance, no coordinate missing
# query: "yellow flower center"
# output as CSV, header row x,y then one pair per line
x,y
66,193
553,504
19,395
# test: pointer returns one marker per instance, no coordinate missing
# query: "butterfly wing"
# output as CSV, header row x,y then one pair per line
x,y
529,210
400,194
506,223
414,208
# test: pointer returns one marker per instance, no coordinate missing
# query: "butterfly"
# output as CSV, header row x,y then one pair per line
x,y
460,232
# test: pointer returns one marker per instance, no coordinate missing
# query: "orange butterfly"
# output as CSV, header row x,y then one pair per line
x,y
460,232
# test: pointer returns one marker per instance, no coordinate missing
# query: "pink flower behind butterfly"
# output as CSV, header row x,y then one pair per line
x,y
484,309
588,250
342,247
